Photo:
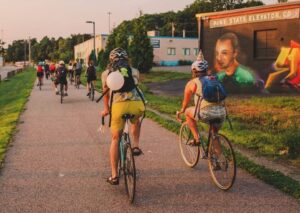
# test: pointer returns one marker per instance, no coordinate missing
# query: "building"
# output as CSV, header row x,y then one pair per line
x,y
268,39
84,49
1,61
168,51
173,51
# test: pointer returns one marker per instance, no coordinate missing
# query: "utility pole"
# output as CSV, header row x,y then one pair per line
x,y
173,29
92,22
29,47
109,13
25,56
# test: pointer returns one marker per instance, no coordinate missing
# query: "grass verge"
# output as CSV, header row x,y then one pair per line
x,y
14,94
274,178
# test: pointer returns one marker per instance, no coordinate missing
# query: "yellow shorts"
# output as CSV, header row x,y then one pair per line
x,y
136,108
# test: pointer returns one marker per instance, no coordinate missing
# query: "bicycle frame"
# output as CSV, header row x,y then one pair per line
x,y
210,135
123,141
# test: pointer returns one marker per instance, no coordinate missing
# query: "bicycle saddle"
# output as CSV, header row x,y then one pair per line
x,y
215,120
127,116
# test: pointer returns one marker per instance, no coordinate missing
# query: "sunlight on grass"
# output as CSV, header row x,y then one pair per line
x,y
14,94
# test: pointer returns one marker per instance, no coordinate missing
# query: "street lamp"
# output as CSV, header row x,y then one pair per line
x,y
92,22
109,13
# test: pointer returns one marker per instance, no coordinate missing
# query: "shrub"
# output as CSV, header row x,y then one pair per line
x,y
184,62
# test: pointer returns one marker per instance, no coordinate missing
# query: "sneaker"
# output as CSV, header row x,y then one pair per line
x,y
66,94
57,93
193,142
88,93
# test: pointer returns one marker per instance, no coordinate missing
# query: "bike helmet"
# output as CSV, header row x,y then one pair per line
x,y
200,66
117,54
61,63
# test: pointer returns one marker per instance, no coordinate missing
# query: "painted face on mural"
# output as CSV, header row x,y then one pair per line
x,y
225,54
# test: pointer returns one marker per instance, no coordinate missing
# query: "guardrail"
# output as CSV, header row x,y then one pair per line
x,y
5,74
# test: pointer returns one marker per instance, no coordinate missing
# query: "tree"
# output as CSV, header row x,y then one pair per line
x,y
101,63
2,50
140,50
110,45
92,56
15,51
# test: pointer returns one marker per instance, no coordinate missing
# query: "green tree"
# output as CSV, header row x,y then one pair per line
x,y
2,50
101,63
16,51
92,56
140,50
110,45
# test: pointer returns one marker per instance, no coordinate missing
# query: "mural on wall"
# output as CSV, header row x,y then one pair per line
x,y
285,71
235,76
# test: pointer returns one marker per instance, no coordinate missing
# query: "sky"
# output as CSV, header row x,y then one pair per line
x,y
21,19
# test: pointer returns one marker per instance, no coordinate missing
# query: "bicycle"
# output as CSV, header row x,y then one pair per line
x,y
40,83
77,81
92,91
222,166
126,165
61,92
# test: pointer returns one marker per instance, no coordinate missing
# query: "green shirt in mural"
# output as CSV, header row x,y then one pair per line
x,y
241,76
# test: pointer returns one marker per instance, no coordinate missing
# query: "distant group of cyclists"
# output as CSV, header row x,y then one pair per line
x,y
59,73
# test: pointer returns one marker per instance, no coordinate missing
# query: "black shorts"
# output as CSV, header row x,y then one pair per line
x,y
61,81
78,72
40,74
91,78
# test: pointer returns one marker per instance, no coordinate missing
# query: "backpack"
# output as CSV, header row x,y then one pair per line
x,y
212,89
39,68
124,68
62,73
52,67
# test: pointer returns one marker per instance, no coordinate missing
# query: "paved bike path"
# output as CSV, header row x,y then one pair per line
x,y
58,162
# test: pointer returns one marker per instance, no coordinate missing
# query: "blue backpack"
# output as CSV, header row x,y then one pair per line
x,y
212,89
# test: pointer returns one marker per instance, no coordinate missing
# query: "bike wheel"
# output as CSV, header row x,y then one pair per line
x,y
223,167
189,153
129,173
92,92
61,93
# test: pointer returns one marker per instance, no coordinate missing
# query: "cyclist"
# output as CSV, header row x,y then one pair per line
x,y
122,103
52,69
71,72
46,68
61,77
91,76
206,111
78,69
39,73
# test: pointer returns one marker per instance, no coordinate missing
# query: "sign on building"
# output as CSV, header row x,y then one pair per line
x,y
155,43
257,17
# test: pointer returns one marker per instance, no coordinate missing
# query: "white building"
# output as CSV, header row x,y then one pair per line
x,y
167,50
84,49
1,61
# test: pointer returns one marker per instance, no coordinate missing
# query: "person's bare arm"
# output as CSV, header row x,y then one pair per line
x,y
189,90
106,96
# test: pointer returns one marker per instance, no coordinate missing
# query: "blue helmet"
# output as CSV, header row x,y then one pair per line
x,y
200,66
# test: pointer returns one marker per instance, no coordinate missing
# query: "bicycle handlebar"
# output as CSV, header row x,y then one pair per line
x,y
102,95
